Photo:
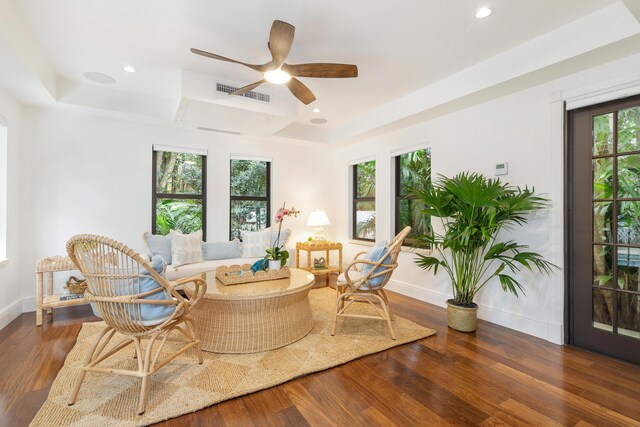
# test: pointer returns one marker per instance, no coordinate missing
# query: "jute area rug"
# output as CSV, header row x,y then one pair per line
x,y
183,386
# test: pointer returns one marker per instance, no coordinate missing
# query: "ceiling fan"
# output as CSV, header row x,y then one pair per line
x,y
278,72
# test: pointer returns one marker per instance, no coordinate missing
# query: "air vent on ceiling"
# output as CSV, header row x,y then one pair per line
x,y
218,130
258,96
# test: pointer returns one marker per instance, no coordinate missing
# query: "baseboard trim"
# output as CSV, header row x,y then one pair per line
x,y
10,313
552,332
28,304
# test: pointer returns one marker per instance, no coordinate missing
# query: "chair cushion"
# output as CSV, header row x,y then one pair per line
x,y
186,248
353,275
220,250
150,314
374,255
159,245
255,243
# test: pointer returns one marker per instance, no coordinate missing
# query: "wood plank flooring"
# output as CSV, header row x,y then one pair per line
x,y
493,377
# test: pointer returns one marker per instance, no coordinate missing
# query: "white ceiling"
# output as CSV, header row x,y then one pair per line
x,y
399,46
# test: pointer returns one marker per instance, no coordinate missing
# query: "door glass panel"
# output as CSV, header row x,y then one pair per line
x,y
603,309
628,176
628,130
628,268
603,266
628,314
602,134
629,223
602,218
603,178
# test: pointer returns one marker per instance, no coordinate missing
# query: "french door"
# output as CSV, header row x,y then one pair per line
x,y
603,176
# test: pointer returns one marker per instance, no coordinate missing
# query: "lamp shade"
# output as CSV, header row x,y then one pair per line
x,y
318,219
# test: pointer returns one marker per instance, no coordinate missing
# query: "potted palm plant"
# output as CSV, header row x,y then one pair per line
x,y
473,210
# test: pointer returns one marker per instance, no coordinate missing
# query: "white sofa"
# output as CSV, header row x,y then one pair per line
x,y
173,272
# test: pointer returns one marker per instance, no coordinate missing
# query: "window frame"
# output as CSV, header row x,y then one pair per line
x,y
155,195
355,200
266,198
398,196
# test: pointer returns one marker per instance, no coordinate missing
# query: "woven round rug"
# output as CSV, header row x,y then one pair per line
x,y
184,386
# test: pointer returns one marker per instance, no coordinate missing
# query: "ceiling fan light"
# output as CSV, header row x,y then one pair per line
x,y
277,76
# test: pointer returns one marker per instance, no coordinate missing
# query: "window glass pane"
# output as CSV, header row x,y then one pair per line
x,y
365,220
248,178
366,179
629,176
248,215
603,309
178,173
629,130
603,134
603,266
628,268
415,170
178,214
603,178
602,220
411,214
629,223
629,314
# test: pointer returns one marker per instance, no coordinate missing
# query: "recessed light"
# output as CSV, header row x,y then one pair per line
x,y
483,12
129,69
99,78
318,121
316,110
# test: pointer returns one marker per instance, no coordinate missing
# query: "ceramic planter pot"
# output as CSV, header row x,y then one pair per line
x,y
462,319
274,265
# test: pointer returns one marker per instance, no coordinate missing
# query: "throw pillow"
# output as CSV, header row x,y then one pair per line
x,y
221,250
186,248
150,314
255,243
158,245
284,237
374,255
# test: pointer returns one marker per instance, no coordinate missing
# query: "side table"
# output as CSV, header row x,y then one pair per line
x,y
48,302
332,270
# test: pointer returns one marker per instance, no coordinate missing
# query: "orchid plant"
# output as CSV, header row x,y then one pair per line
x,y
276,253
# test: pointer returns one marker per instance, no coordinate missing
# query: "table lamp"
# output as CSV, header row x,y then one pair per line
x,y
318,219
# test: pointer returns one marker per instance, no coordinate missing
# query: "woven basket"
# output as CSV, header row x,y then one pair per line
x,y
76,286
237,274
461,319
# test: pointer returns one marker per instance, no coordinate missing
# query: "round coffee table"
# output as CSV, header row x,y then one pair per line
x,y
254,317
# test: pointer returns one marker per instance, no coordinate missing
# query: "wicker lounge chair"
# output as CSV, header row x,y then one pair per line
x,y
367,284
134,300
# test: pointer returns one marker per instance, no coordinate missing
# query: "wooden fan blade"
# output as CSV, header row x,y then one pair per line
x,y
321,70
280,40
301,91
247,88
259,68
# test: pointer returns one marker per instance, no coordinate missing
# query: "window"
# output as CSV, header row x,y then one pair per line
x,y
250,202
364,201
412,171
179,190
3,190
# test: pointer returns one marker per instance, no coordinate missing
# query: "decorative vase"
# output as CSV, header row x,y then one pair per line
x,y
274,265
460,318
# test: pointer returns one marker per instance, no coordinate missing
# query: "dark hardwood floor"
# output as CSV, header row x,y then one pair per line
x,y
492,377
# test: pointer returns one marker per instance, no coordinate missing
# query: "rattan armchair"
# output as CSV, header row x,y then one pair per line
x,y
117,279
363,288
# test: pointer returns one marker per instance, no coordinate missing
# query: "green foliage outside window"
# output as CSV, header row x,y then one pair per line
x,y
414,175
249,196
178,174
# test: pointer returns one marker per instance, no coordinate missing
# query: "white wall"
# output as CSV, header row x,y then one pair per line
x,y
16,170
523,129
93,175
